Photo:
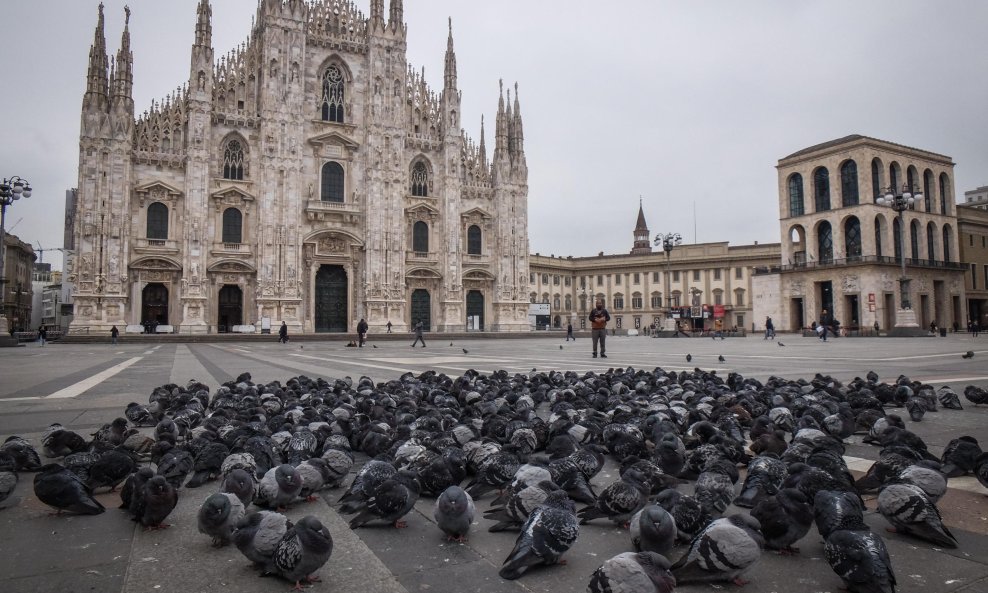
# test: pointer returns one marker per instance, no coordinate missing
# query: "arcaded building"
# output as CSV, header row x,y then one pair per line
x,y
309,176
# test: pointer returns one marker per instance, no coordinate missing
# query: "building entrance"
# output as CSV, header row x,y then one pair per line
x,y
331,299
230,309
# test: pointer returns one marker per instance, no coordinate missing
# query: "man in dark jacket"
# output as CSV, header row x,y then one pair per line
x,y
361,332
598,324
283,333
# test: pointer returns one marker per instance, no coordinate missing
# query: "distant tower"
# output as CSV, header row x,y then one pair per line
x,y
642,243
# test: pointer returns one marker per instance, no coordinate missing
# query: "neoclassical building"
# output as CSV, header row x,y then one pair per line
x,y
841,249
309,176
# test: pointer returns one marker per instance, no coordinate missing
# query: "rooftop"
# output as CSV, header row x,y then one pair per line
x,y
854,138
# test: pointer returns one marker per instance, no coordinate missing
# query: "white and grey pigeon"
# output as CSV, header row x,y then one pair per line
x,y
861,560
909,511
338,464
653,530
518,506
724,551
454,512
714,490
303,550
930,481
785,519
620,500
313,472
241,460
219,516
389,501
637,572
258,534
547,534
279,487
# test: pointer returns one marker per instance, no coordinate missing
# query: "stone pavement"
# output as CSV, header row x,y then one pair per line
x,y
83,386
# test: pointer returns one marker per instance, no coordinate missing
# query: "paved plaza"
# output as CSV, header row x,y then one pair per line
x,y
85,385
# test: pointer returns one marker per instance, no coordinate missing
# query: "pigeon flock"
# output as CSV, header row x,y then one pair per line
x,y
533,444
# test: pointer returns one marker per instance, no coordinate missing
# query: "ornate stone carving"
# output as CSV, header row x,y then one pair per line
x,y
332,244
850,284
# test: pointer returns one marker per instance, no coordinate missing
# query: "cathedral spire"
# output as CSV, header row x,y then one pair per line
x,y
450,71
397,17
482,154
500,126
377,14
642,244
204,24
97,89
123,79
517,131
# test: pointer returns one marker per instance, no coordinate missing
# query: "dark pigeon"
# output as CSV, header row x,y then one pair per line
x,y
219,516
496,472
785,518
175,466
61,489
690,517
59,442
861,560
764,478
390,501
207,464
241,484
132,493
653,530
520,504
620,500
370,476
160,499
25,456
547,534
111,469
303,550
641,572
833,511
960,456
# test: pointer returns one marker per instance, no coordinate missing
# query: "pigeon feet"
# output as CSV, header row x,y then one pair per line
x,y
740,582
460,539
311,498
400,524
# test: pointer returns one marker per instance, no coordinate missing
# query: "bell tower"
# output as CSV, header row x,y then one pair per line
x,y
642,243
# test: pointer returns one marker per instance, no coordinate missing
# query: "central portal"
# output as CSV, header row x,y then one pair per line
x,y
331,299
230,311
475,307
422,308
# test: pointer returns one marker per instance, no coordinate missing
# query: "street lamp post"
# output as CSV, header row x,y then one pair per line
x,y
900,201
669,241
11,190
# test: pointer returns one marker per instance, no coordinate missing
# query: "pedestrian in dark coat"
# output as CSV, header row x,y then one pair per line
x,y
114,334
418,335
598,323
283,333
361,332
569,332
42,335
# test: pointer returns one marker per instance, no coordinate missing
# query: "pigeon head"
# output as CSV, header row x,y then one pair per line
x,y
560,500
157,485
217,506
314,535
453,501
286,476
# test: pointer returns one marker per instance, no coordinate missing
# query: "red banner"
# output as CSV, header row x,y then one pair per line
x,y
718,311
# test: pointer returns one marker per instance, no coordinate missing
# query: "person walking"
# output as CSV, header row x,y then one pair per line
x,y
598,324
418,335
42,335
769,328
569,332
114,334
389,326
975,328
718,329
824,322
283,333
361,332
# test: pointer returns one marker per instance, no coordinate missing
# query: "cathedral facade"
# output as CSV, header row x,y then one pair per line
x,y
309,176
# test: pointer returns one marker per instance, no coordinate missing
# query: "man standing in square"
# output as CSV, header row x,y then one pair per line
x,y
598,324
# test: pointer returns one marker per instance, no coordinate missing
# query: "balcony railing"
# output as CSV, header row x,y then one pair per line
x,y
882,260
156,244
422,256
231,248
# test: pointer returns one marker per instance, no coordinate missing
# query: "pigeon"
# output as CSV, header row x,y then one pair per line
x,y
833,511
110,470
373,345
764,477
241,460
960,456
338,464
785,518
560,346
909,511
690,517
547,534
391,500
219,515
8,481
303,550
620,500
974,394
313,472
62,490
653,530
454,513
714,489
949,398
689,357
132,493
160,498
372,474
465,351
451,343
980,471
724,551
140,415
241,484
279,487
721,358
861,560
930,481
175,466
25,456
781,345
641,572
207,464
496,472
56,441
258,534
519,505
968,354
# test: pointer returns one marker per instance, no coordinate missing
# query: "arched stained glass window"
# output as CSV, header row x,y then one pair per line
x,y
825,242
852,238
233,160
473,240
332,183
157,221
420,180
796,207
333,95
232,226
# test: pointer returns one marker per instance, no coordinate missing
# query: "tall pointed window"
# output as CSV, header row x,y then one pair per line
x,y
914,240
944,189
852,238
420,180
473,240
897,238
333,94
332,182
233,160
931,245
232,226
876,179
849,184
157,221
927,190
821,189
796,207
878,237
420,237
825,242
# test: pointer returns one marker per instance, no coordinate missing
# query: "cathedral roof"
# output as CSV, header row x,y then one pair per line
x,y
853,138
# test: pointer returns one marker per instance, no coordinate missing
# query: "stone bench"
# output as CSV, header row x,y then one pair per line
x,y
164,329
244,329
134,329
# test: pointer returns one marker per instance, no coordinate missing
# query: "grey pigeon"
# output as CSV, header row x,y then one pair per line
x,y
175,466
219,515
80,463
949,398
338,464
8,481
496,472
26,458
721,358
910,512
207,464
110,470
390,501
241,484
974,394
160,499
785,518
303,550
714,490
930,481
140,415
240,460
279,487
641,572
981,470
833,511
653,530
690,517
313,472
968,354
764,477
547,534
61,489
519,505
620,500
689,358
724,551
370,476
861,560
454,512
258,534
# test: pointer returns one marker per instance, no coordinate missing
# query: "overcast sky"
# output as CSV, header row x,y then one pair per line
x,y
680,103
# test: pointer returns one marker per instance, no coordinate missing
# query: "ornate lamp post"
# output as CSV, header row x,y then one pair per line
x,y
11,190
669,241
905,316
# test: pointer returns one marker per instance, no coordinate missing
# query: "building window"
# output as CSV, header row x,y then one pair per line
x,y
716,273
531,297
636,301
655,276
567,281
656,300
617,278
947,236
821,189
970,240
878,237
569,302
825,242
852,238
545,278
420,237
157,221
618,322
718,297
944,189
555,302
677,298
600,280
675,276
555,280
618,302
545,298
914,240
931,247
896,238
233,160
876,179
927,190
473,240
332,183
739,297
985,284
638,278
232,226
333,95
796,207
583,282
894,176
739,273
531,278
420,180
696,275
849,184
740,321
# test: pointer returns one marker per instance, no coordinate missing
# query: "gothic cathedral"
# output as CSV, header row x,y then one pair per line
x,y
309,176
